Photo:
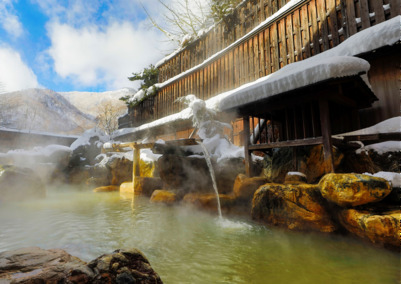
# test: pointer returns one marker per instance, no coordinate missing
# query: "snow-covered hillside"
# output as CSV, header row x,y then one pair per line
x,y
46,110
88,102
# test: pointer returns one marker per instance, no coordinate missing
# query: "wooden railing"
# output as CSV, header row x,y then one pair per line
x,y
306,30
247,16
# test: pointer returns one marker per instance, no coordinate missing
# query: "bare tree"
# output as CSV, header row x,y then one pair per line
x,y
107,118
183,20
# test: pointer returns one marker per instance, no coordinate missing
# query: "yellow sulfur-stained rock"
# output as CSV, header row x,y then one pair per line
x,y
297,207
163,196
353,189
313,167
208,201
245,187
146,185
108,188
383,228
126,188
148,169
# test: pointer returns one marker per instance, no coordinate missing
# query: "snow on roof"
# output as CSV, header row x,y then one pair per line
x,y
386,33
390,125
383,147
294,76
36,132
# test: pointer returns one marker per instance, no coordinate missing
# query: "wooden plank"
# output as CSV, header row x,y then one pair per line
x,y
236,68
291,143
305,32
314,29
364,13
241,64
332,21
227,69
274,47
262,50
282,43
351,23
394,8
201,84
297,35
262,10
267,43
377,8
220,68
326,134
321,9
256,57
246,138
251,70
290,38
246,63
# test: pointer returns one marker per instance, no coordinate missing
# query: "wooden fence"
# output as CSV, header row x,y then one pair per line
x,y
307,29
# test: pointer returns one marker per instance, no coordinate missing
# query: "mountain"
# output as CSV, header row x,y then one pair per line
x,y
46,110
88,102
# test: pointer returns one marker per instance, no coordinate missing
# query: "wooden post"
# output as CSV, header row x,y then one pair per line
x,y
326,134
246,146
136,171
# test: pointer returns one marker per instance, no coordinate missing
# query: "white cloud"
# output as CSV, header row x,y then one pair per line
x,y
8,20
91,55
14,73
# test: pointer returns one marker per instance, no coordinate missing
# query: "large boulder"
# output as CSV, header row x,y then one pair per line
x,y
17,184
310,161
353,189
163,196
120,169
297,207
146,185
107,188
191,174
35,265
245,187
208,201
313,165
380,228
185,173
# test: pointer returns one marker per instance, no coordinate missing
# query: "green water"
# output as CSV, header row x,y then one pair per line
x,y
188,246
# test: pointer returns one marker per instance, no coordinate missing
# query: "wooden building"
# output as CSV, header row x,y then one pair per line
x,y
263,36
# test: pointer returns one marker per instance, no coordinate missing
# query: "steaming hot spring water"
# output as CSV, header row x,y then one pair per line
x,y
185,245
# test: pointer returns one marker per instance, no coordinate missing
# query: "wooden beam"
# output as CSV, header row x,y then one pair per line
x,y
292,143
246,137
326,134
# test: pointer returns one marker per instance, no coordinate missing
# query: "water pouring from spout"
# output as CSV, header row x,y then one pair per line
x,y
212,175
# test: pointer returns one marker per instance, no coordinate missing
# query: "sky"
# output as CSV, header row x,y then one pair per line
x,y
77,45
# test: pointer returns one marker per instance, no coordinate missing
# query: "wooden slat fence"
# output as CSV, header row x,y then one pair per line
x,y
308,29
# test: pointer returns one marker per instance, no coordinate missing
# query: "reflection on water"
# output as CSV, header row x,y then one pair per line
x,y
189,246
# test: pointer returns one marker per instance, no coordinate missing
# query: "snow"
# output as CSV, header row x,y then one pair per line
x,y
87,135
383,147
46,151
296,75
296,174
266,22
383,34
393,178
386,33
88,102
391,125
44,133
